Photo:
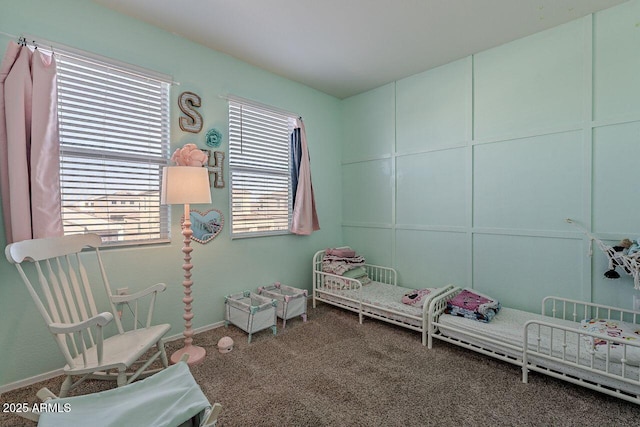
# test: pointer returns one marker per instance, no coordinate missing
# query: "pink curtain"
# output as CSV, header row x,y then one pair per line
x,y
305,218
29,145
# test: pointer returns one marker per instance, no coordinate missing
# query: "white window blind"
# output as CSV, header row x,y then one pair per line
x,y
259,170
114,141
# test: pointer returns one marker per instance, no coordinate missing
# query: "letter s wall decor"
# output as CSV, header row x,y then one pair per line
x,y
193,122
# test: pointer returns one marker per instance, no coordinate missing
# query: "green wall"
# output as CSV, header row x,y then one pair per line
x,y
465,173
222,266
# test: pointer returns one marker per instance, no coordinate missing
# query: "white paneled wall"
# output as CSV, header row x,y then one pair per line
x,y
465,173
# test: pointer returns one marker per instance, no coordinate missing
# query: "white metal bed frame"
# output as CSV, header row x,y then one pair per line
x,y
386,275
583,368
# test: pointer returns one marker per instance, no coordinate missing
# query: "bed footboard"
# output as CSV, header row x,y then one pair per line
x,y
436,308
601,353
601,361
575,310
593,360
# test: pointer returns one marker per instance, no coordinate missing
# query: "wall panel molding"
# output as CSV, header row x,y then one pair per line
x,y
538,161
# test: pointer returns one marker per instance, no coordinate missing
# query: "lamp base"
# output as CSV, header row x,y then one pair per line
x,y
196,355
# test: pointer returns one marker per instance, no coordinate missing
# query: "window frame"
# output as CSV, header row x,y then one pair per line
x,y
246,169
161,232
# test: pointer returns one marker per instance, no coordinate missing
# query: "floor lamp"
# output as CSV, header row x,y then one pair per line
x,y
182,185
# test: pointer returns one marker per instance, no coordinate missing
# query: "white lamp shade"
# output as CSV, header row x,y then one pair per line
x,y
185,184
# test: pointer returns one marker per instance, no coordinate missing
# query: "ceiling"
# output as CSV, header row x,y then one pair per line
x,y
345,47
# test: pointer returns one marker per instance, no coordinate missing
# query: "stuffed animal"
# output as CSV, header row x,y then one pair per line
x,y
416,297
634,249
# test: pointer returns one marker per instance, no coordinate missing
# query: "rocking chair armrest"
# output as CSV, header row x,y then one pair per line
x,y
97,320
157,288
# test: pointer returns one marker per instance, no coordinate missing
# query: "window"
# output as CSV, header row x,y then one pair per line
x,y
114,141
259,169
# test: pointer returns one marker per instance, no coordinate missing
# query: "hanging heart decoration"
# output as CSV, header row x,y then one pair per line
x,y
205,225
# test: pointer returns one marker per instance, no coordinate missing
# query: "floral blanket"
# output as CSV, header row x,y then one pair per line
x,y
339,265
473,305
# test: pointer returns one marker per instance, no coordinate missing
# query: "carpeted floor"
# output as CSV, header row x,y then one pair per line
x,y
332,371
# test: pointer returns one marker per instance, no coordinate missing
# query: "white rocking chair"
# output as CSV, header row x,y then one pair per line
x,y
65,301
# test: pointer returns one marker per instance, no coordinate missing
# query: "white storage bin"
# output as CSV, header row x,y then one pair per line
x,y
292,301
250,312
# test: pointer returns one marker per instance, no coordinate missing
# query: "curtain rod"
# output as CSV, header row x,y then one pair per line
x,y
61,49
97,59
257,104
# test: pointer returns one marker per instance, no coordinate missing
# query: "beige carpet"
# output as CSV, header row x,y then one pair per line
x,y
332,371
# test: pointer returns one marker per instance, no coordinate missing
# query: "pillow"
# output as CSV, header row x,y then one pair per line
x,y
416,297
617,329
355,273
358,273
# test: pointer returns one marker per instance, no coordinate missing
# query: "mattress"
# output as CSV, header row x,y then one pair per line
x,y
380,299
508,326
505,335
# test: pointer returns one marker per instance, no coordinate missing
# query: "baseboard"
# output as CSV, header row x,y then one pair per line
x,y
195,331
52,374
29,381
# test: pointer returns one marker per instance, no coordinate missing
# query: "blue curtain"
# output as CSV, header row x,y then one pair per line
x,y
296,155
